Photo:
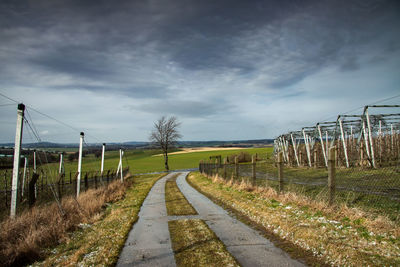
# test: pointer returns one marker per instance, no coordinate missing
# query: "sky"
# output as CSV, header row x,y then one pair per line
x,y
228,70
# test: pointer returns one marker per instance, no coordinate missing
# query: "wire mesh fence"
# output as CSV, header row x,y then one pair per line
x,y
377,189
49,187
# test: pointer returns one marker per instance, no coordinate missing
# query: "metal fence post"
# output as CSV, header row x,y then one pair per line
x,y
331,174
280,171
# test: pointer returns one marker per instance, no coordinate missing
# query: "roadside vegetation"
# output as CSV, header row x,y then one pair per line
x,y
175,201
92,228
336,235
100,242
23,239
194,244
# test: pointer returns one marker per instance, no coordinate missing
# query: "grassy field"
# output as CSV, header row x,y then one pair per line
x,y
139,161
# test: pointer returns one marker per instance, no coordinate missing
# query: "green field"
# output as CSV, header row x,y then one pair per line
x,y
142,161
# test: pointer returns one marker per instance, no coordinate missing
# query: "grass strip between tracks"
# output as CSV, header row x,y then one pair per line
x,y
194,244
175,201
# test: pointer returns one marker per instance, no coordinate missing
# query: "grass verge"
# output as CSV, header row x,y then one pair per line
x,y
194,244
99,243
25,238
317,233
175,201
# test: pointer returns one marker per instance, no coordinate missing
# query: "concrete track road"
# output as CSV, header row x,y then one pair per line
x,y
149,244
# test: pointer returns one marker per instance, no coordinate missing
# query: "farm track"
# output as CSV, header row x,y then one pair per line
x,y
149,242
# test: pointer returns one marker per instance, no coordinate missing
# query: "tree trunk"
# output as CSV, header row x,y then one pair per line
x,y
166,161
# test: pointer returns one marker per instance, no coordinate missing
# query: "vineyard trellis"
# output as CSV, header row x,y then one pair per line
x,y
361,140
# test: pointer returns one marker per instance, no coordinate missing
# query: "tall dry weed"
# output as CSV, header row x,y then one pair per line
x,y
23,239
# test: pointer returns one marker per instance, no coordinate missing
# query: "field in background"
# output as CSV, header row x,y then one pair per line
x,y
144,161
138,161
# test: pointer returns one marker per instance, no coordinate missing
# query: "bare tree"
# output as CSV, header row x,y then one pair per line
x,y
165,134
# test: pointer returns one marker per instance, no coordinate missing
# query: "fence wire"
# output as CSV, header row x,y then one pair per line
x,y
364,186
50,187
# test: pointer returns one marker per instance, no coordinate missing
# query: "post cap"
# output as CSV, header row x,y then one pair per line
x,y
82,134
21,106
104,144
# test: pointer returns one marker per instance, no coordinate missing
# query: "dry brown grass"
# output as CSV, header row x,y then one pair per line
x,y
23,239
336,235
377,224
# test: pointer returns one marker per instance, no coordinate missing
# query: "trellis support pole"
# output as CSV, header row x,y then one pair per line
x,y
17,152
295,150
370,138
78,179
102,158
322,145
307,148
344,142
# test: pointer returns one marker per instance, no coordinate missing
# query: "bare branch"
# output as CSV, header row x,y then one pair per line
x,y
165,134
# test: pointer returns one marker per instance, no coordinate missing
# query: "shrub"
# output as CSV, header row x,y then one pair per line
x,y
242,157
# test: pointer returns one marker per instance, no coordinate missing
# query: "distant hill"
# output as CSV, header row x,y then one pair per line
x,y
138,144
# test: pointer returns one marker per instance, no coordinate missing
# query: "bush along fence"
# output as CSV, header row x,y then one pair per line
x,y
370,188
42,187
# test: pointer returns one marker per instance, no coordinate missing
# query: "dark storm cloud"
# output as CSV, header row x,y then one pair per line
x,y
151,92
204,35
198,59
187,108
76,62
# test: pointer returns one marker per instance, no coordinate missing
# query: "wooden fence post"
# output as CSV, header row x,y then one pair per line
x,y
332,174
86,182
301,158
253,161
31,192
315,158
236,167
225,162
60,177
5,187
280,171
